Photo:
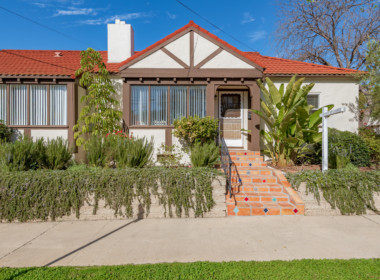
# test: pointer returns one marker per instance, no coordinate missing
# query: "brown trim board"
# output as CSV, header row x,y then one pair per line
x,y
175,58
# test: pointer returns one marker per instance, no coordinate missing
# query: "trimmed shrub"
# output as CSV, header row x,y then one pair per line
x,y
45,194
119,150
372,140
348,189
205,155
58,154
26,154
5,132
196,129
345,144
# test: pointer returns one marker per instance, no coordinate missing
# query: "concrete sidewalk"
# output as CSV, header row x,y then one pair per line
x,y
188,240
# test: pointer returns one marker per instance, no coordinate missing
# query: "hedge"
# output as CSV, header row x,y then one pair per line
x,y
44,194
348,189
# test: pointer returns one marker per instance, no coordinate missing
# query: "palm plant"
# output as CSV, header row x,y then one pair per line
x,y
291,127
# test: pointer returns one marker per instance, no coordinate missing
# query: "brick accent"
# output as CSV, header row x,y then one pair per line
x,y
259,190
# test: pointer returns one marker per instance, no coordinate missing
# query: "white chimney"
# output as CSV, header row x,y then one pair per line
x,y
120,41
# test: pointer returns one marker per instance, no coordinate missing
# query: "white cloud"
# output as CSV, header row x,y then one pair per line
x,y
40,5
75,12
105,20
247,18
257,35
170,15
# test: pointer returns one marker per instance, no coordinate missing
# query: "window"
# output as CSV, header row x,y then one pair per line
x,y
3,103
150,105
198,101
38,105
139,110
18,101
159,105
58,105
313,99
30,105
178,102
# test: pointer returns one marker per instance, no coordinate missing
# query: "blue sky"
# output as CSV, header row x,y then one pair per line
x,y
250,21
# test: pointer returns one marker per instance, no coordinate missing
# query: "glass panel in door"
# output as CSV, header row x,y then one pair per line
x,y
231,119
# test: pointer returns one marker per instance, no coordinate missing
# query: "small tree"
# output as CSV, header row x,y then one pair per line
x,y
292,128
371,80
98,116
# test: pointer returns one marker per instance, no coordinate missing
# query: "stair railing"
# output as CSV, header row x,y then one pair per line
x,y
226,163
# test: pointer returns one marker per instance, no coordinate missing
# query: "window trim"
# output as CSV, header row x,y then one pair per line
x,y
168,125
317,94
28,111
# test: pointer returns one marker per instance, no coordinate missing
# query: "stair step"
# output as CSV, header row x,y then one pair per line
x,y
246,158
243,153
258,209
252,171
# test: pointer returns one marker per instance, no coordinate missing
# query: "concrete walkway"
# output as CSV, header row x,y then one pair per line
x,y
188,240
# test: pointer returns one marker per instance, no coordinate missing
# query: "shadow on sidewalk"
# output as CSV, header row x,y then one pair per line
x,y
90,243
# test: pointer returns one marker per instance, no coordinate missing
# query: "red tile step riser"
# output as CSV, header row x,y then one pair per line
x,y
243,153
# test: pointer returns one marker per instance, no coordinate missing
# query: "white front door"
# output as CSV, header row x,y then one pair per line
x,y
231,118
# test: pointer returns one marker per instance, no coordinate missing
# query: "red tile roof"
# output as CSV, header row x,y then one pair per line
x,y
45,62
282,66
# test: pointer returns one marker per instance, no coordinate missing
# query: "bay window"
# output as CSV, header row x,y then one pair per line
x,y
33,105
161,105
58,105
18,102
38,105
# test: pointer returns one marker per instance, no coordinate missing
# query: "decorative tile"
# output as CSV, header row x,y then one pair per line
x,y
245,154
239,180
248,172
264,181
256,189
246,198
250,164
274,199
295,211
266,210
238,158
236,210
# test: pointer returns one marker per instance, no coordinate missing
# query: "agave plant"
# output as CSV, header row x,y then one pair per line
x,y
292,129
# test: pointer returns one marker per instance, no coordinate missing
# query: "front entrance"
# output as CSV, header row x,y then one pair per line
x,y
231,118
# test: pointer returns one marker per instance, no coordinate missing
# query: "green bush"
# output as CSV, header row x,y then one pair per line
x,y
58,154
25,154
117,150
96,151
45,194
372,140
5,132
347,144
205,155
348,189
169,156
196,129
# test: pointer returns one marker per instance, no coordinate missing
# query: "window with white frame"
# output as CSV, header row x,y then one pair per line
x,y
161,105
29,105
313,99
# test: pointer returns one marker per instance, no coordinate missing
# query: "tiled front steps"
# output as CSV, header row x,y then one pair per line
x,y
259,190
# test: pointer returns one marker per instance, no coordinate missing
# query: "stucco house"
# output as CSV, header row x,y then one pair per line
x,y
189,72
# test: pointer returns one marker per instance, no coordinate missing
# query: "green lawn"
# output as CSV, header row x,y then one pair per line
x,y
301,269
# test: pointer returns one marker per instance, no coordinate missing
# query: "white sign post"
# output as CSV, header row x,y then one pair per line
x,y
325,139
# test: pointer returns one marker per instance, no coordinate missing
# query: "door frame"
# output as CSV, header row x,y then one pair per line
x,y
233,143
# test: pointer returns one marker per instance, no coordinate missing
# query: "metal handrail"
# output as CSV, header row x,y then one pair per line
x,y
226,163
